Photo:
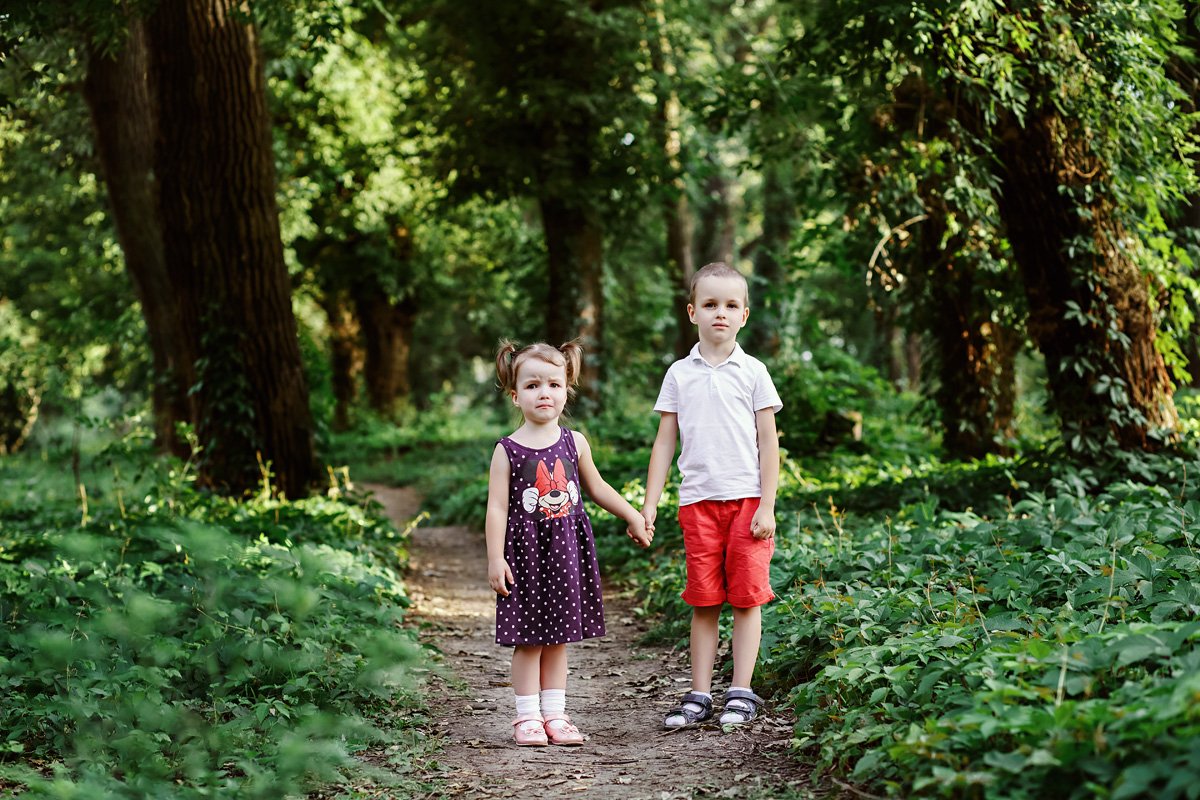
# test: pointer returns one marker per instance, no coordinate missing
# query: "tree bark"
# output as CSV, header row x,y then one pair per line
x,y
387,333
975,356
214,166
779,211
575,304
1097,383
716,229
124,121
677,214
1188,223
346,353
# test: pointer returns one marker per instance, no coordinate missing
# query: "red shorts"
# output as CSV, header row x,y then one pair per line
x,y
724,562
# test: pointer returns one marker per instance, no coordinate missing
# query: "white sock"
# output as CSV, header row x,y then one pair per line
x,y
739,689
527,705
554,701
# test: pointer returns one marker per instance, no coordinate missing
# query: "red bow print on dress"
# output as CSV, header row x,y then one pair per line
x,y
552,493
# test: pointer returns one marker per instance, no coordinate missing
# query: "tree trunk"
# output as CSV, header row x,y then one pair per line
x,y
346,353
680,267
975,356
575,306
124,120
676,212
215,171
779,211
388,333
716,230
1188,223
1098,384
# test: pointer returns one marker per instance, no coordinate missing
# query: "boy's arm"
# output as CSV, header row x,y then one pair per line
x,y
605,496
500,577
762,526
661,456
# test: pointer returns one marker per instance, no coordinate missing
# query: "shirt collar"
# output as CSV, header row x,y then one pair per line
x,y
738,356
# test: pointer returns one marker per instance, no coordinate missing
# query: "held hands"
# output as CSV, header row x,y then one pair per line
x,y
500,577
639,532
762,525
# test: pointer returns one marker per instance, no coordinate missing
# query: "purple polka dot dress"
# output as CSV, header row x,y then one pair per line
x,y
556,595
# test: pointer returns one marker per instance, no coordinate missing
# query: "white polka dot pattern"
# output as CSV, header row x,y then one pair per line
x,y
556,594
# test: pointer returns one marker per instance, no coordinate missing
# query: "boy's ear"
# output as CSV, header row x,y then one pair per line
x,y
691,312
745,314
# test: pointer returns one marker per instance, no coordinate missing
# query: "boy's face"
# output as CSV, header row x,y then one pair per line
x,y
720,309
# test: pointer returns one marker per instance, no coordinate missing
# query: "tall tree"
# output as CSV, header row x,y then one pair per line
x,y
125,123
215,173
1032,95
539,99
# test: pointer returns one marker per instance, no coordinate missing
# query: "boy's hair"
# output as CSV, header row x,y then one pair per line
x,y
717,269
509,359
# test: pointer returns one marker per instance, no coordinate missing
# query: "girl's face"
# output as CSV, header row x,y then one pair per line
x,y
541,391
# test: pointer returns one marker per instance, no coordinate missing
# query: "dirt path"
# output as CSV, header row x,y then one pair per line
x,y
618,692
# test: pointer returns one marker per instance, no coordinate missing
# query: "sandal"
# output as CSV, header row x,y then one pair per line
x,y
741,706
529,731
689,715
563,733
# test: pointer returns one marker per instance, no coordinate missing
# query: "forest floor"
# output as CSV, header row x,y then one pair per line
x,y
618,692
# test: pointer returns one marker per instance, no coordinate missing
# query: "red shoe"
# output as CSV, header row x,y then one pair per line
x,y
530,731
559,730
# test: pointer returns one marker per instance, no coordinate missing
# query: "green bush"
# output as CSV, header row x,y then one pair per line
x,y
196,647
1048,648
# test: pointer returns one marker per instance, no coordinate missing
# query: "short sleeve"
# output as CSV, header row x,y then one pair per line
x,y
765,395
668,395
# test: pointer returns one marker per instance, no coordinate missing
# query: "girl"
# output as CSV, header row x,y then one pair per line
x,y
541,556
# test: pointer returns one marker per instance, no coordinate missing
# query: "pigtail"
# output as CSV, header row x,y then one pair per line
x,y
572,352
506,372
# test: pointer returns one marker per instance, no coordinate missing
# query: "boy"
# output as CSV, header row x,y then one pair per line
x,y
722,404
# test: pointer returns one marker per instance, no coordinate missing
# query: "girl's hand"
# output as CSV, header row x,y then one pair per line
x,y
638,532
762,525
500,577
649,514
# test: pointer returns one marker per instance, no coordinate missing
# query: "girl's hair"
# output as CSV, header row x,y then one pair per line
x,y
509,359
717,269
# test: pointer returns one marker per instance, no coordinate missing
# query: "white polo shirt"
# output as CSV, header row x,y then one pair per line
x,y
716,407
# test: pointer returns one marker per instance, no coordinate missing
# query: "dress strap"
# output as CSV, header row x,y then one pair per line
x,y
569,442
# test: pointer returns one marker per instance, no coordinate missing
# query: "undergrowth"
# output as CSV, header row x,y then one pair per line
x,y
170,643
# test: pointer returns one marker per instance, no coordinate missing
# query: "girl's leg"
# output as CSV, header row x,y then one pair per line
x,y
554,697
705,620
747,633
553,672
526,669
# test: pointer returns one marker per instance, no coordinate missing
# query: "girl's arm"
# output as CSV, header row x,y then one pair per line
x,y
499,575
762,526
607,497
661,456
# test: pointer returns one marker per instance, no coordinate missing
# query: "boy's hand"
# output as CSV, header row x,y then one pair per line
x,y
500,577
638,531
762,525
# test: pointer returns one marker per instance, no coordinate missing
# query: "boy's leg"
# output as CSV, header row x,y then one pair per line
x,y
705,622
747,635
